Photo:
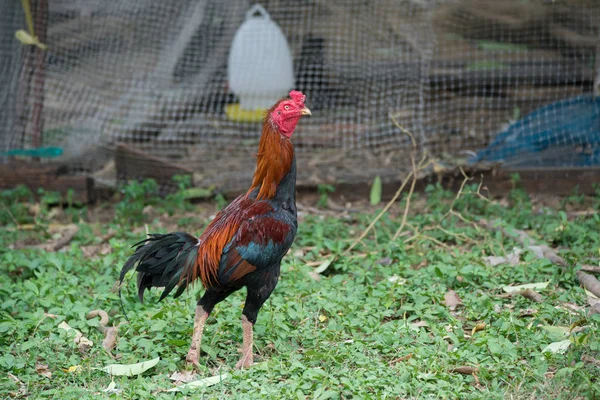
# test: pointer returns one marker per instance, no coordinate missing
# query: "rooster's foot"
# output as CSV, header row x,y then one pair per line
x,y
246,361
192,357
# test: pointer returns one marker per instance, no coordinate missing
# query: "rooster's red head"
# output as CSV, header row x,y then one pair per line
x,y
287,112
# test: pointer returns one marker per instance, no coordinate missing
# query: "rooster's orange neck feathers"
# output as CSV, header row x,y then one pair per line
x,y
273,161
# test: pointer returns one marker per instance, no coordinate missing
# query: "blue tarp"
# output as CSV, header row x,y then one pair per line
x,y
565,133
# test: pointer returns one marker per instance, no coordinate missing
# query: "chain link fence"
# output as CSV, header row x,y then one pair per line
x,y
474,81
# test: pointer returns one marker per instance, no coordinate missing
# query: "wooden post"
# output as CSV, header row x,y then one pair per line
x,y
39,74
11,19
597,65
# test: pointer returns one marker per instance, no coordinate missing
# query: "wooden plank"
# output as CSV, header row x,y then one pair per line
x,y
497,182
465,76
558,181
549,181
132,163
48,177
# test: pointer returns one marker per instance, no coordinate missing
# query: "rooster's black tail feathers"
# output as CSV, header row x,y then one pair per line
x,y
160,260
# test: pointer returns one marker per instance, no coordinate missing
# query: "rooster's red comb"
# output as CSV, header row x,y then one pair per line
x,y
297,97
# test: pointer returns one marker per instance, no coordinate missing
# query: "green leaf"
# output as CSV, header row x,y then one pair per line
x,y
557,347
536,286
376,189
130,369
198,193
486,45
201,383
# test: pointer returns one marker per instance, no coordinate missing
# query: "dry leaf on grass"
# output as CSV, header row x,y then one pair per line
x,y
81,341
183,376
112,388
527,293
531,295
42,369
414,326
386,261
479,327
110,332
466,370
512,258
399,359
96,250
571,307
595,309
451,299
67,233
593,301
528,312
22,387
590,360
73,369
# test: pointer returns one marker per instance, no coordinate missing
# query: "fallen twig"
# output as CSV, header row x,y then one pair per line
x,y
65,239
591,268
382,212
527,293
527,241
399,359
589,282
110,332
408,197
412,176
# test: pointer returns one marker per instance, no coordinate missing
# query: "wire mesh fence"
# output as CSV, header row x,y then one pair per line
x,y
473,80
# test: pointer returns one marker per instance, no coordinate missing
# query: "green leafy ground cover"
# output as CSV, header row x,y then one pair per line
x,y
422,316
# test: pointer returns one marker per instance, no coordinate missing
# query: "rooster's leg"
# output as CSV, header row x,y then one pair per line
x,y
205,306
247,354
258,293
199,321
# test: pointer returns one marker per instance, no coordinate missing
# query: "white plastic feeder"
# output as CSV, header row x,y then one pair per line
x,y
260,69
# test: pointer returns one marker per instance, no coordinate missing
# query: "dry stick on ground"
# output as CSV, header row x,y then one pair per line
x,y
422,165
527,293
589,282
66,239
438,227
590,268
414,176
586,280
408,197
110,332
525,240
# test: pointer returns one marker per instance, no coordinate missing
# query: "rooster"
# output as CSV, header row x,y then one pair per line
x,y
243,245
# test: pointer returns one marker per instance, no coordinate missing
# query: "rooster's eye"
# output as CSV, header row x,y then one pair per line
x,y
286,108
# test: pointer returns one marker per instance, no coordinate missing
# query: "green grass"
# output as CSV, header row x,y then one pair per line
x,y
350,333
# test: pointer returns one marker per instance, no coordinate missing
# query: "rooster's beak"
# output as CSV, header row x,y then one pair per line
x,y
305,111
